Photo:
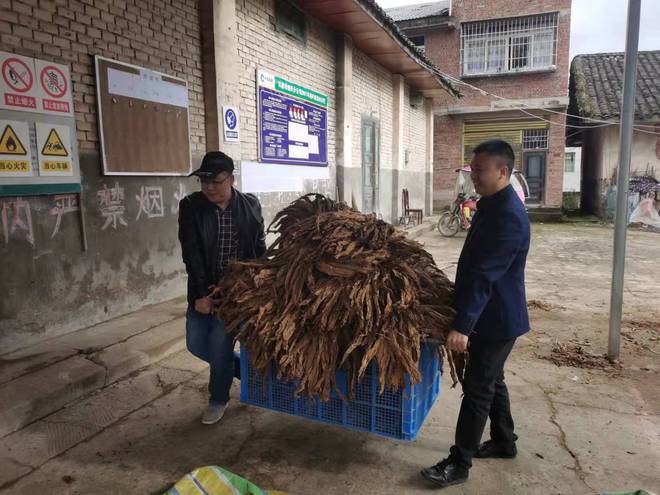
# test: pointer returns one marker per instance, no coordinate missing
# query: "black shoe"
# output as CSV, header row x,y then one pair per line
x,y
492,450
445,473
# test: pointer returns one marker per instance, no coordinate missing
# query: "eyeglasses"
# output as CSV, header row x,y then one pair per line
x,y
214,182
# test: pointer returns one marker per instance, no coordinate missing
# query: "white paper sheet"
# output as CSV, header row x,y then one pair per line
x,y
148,86
298,132
265,177
298,152
313,145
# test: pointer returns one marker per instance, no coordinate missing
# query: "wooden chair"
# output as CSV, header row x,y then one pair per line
x,y
415,213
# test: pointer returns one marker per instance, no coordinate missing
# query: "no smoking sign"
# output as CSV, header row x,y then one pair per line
x,y
17,88
53,81
34,85
17,75
55,87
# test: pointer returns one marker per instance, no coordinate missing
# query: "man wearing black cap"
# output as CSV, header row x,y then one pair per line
x,y
216,225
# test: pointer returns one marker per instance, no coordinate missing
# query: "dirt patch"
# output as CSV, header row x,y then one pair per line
x,y
542,305
637,324
644,227
642,333
578,355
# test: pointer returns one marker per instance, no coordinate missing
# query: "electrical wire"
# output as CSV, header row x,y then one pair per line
x,y
602,123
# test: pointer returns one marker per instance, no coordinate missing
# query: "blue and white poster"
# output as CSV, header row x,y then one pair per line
x,y
293,123
230,120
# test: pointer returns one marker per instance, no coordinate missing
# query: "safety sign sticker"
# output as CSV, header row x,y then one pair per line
x,y
54,146
34,85
15,152
230,118
17,85
54,88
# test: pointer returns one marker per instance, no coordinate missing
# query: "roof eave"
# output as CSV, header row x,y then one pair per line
x,y
584,105
426,23
386,22
400,57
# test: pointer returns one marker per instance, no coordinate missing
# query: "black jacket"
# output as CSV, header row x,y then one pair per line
x,y
198,234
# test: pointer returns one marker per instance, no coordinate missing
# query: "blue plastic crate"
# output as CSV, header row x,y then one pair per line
x,y
395,414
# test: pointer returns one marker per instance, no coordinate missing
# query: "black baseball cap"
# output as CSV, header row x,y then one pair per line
x,y
214,163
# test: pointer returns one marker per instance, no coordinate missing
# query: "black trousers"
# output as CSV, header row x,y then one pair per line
x,y
485,395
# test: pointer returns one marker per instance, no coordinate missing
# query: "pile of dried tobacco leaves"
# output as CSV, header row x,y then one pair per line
x,y
338,288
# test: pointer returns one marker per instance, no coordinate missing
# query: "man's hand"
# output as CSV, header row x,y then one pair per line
x,y
204,305
456,341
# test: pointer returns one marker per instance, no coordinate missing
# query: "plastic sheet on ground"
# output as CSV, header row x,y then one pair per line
x,y
646,214
214,480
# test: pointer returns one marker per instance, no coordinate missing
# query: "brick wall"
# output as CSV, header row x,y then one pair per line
x,y
447,156
310,64
161,35
444,48
372,97
413,173
554,182
414,134
53,286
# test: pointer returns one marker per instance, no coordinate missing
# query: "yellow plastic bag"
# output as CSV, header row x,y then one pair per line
x,y
214,480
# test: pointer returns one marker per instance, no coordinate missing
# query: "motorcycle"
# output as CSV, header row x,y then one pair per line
x,y
459,216
464,205
462,208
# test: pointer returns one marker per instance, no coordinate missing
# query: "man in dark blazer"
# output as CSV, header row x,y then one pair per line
x,y
491,312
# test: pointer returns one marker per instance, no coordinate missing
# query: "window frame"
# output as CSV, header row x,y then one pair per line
x,y
287,14
540,135
421,47
566,155
540,49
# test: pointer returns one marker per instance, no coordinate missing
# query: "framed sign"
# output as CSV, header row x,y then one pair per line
x,y
293,122
38,146
143,120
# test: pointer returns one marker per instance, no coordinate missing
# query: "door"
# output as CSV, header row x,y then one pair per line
x,y
370,166
534,169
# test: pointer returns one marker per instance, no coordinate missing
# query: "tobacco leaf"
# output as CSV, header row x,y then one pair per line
x,y
337,289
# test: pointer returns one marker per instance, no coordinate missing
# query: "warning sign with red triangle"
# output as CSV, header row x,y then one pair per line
x,y
10,144
54,145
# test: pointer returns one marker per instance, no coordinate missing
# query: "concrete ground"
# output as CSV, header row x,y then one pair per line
x,y
581,430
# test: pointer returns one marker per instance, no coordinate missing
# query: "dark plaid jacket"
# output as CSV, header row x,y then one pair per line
x,y
198,234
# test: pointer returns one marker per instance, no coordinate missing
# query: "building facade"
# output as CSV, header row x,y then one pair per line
x,y
74,258
513,58
595,91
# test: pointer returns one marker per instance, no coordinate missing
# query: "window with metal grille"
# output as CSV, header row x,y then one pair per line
x,y
418,41
290,19
509,45
535,139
